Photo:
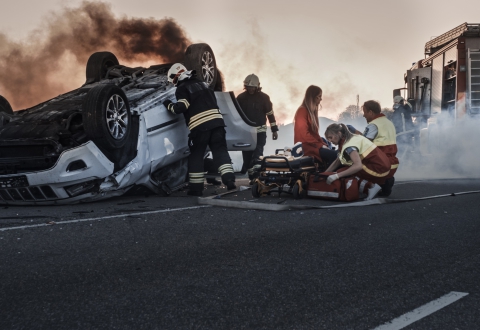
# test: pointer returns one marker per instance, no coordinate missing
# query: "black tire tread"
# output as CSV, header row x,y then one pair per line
x,y
255,192
94,119
5,106
296,191
193,61
96,63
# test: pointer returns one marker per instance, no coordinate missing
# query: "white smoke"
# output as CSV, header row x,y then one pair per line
x,y
448,148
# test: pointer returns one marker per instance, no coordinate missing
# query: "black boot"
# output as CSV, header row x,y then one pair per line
x,y
195,189
387,187
228,179
213,181
231,185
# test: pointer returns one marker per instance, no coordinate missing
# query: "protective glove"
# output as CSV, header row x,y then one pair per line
x,y
351,129
166,103
274,135
332,178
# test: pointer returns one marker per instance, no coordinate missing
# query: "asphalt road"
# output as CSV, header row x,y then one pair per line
x,y
169,263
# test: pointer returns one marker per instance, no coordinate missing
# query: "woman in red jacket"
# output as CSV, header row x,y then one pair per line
x,y
306,128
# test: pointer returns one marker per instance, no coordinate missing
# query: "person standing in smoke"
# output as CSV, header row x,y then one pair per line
x,y
257,107
207,129
403,122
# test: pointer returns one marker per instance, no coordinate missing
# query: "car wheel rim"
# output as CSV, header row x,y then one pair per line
x,y
117,117
208,68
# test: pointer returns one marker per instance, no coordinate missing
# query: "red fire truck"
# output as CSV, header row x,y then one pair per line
x,y
446,83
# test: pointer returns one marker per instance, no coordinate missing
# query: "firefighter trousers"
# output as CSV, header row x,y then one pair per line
x,y
250,157
198,142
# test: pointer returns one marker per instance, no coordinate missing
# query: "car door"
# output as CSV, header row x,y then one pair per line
x,y
167,134
241,132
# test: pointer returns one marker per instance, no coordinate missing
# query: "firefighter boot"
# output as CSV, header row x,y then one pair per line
x,y
387,187
228,180
195,189
213,181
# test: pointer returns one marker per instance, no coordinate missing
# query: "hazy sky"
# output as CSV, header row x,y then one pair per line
x,y
345,47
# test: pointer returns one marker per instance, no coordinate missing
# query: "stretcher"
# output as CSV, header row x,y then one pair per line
x,y
283,173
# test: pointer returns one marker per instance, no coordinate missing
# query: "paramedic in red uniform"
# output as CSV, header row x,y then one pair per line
x,y
306,128
381,131
257,107
360,157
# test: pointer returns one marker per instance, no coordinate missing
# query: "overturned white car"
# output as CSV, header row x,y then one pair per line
x,y
110,136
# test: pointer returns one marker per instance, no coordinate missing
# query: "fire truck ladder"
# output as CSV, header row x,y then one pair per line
x,y
465,29
473,81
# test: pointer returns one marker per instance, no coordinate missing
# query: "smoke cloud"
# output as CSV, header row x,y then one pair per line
x,y
452,151
52,61
284,82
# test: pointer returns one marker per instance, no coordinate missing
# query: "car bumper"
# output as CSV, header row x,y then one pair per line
x,y
63,183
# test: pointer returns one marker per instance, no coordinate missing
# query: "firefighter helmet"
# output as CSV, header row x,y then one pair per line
x,y
251,81
398,99
174,72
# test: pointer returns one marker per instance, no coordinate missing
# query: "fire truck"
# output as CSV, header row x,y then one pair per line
x,y
446,83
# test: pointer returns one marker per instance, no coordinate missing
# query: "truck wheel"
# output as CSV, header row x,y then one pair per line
x,y
106,117
255,192
199,57
5,106
98,65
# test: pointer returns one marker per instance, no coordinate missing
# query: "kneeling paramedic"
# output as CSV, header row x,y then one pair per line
x,y
381,131
207,129
358,156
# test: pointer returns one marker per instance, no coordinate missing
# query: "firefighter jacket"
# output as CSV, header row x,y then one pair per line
x,y
197,103
386,141
375,164
257,107
302,132
402,119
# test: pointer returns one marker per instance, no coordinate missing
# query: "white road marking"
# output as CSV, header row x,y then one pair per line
x,y
103,218
421,312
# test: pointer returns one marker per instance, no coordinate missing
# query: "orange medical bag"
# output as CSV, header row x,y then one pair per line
x,y
343,189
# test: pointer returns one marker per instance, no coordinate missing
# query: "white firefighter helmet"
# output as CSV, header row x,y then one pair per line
x,y
398,99
251,81
174,72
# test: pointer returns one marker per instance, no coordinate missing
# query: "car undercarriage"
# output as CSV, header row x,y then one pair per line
x,y
108,136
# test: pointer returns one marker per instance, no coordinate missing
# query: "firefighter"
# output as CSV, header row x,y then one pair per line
x,y
360,157
381,131
257,107
199,106
402,119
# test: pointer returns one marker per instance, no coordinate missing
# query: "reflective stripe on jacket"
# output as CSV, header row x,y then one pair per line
x,y
374,162
386,141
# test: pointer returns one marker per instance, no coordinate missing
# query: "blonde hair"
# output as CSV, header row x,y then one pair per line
x,y
339,128
309,103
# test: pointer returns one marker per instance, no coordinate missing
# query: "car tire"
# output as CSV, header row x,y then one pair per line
x,y
199,57
98,65
108,122
5,107
255,192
